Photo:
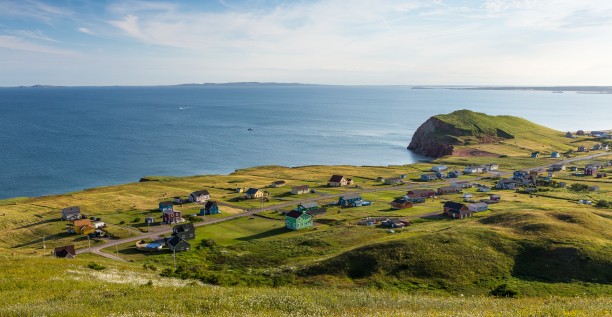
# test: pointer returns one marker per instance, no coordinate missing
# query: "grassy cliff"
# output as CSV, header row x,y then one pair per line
x,y
466,133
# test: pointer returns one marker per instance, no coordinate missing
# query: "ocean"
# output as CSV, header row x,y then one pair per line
x,y
62,139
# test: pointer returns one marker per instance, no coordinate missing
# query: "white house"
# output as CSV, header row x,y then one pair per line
x,y
200,196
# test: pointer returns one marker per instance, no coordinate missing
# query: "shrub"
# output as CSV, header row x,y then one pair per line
x,y
137,219
504,290
603,204
579,187
95,266
121,222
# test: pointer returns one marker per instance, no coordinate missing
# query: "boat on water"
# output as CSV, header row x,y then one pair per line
x,y
557,92
250,129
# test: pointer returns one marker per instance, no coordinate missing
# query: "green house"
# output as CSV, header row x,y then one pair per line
x,y
296,220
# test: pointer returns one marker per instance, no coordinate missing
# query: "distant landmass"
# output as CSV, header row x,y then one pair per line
x,y
556,89
244,83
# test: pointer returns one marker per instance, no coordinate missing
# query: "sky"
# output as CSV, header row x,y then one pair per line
x,y
409,42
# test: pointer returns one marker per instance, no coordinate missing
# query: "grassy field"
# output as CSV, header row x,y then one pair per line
x,y
129,290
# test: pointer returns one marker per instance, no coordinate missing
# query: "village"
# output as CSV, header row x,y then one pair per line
x,y
458,192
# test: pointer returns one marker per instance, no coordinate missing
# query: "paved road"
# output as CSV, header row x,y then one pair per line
x,y
165,229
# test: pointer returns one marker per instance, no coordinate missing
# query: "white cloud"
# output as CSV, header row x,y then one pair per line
x,y
85,30
17,43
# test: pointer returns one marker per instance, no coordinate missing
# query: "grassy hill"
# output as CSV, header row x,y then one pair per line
x,y
474,133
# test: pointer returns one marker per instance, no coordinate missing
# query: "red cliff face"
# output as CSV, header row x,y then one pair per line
x,y
434,138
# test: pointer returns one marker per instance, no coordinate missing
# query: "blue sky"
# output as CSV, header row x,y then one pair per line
x,y
432,42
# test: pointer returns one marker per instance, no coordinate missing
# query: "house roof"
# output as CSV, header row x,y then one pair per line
x,y
187,227
478,205
72,209
294,214
175,240
82,222
209,204
200,192
166,203
399,201
310,204
170,212
252,191
454,205
336,178
350,196
301,187
64,251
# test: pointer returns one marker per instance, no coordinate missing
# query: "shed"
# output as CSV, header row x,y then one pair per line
x,y
478,207
401,203
66,251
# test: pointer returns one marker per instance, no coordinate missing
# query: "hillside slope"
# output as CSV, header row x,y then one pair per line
x,y
447,134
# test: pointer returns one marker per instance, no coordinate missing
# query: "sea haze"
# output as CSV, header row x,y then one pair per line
x,y
62,139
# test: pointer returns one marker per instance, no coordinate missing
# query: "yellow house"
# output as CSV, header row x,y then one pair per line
x,y
83,225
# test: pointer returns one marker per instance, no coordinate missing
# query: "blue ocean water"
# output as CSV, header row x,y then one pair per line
x,y
55,140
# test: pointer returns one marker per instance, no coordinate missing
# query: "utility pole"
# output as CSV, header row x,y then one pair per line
x,y
88,243
174,257
43,253
117,250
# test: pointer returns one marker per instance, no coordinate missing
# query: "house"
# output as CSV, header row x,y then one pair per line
x,y
446,190
415,200
535,154
604,147
428,177
593,188
558,167
350,200
582,148
484,189
211,208
596,147
519,174
296,220
83,226
98,224
562,184
478,207
555,154
149,220
71,213
580,132
298,190
569,135
395,223
506,183
453,174
307,206
467,196
393,181
494,197
456,210
66,251
492,167
338,181
417,193
253,193
461,184
601,175
200,196
439,168
401,203
176,244
171,216
185,231
278,184
573,168
590,170
403,176
473,169
166,205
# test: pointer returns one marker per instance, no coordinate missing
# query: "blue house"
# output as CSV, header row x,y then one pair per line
x,y
535,154
428,177
166,206
519,174
352,200
555,154
211,208
453,174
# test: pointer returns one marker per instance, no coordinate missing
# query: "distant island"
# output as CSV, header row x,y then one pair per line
x,y
555,89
